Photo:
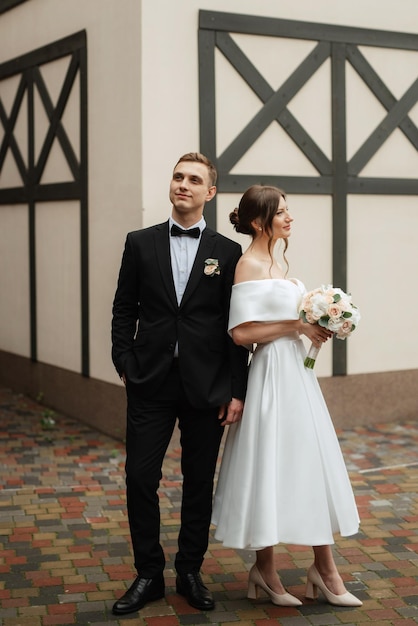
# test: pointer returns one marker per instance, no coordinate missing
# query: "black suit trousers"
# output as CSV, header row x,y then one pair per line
x,y
150,424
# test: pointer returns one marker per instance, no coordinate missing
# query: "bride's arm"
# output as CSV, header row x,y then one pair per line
x,y
263,332
247,269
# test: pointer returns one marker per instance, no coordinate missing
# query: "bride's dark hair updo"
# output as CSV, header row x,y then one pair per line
x,y
259,203
234,219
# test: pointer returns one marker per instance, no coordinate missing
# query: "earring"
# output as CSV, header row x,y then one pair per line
x,y
259,228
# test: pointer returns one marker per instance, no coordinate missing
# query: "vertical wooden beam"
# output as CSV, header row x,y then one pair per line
x,y
84,224
207,108
31,219
339,194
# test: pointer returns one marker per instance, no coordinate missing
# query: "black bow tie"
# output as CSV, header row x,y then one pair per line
x,y
176,231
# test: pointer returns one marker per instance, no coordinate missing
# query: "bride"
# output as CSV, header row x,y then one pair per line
x,y
283,476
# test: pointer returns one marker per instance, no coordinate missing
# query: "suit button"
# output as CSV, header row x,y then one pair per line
x,y
171,347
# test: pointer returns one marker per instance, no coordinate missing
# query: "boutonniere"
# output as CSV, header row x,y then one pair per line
x,y
212,267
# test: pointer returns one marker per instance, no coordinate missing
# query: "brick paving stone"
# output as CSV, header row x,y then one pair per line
x,y
294,621
325,619
65,553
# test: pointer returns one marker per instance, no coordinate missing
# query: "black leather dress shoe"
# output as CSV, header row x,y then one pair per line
x,y
197,595
141,591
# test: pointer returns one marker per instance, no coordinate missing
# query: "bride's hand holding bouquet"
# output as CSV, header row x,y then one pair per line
x,y
332,309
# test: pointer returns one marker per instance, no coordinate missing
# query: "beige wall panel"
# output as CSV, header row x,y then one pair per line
x,y
274,57
236,105
398,70
397,157
274,152
14,280
312,107
360,99
382,269
57,168
58,284
10,175
53,74
114,139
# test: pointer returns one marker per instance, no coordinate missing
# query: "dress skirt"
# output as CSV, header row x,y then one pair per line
x,y
283,477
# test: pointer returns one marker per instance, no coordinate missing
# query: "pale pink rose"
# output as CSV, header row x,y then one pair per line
x,y
210,269
335,310
309,317
345,329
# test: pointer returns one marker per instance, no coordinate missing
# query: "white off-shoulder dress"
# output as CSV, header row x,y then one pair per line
x,y
283,477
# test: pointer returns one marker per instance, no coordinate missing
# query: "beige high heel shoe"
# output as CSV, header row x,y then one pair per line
x,y
256,582
315,581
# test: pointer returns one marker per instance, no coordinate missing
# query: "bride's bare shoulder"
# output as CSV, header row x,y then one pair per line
x,y
249,268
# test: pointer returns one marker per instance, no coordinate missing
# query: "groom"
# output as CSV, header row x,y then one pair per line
x,y
172,350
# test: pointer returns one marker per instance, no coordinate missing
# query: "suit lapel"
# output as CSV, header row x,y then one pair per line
x,y
206,246
162,248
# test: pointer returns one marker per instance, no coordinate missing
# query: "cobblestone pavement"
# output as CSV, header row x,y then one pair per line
x,y
64,540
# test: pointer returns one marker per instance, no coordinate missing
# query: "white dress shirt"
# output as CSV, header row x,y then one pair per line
x,y
183,253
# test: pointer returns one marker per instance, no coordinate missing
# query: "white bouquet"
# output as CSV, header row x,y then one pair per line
x,y
331,308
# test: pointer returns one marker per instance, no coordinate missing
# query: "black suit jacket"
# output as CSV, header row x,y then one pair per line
x,y
147,321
